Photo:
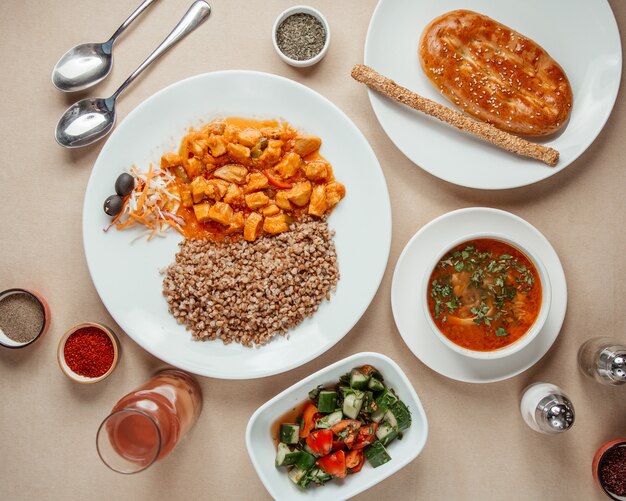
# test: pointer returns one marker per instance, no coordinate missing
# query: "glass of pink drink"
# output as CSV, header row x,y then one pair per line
x,y
145,425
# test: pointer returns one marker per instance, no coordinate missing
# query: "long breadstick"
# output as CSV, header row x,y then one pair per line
x,y
481,130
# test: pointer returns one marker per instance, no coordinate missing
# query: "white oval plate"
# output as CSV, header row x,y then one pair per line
x,y
407,286
581,35
262,449
126,274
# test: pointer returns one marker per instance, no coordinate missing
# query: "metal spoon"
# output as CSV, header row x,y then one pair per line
x,y
89,63
91,119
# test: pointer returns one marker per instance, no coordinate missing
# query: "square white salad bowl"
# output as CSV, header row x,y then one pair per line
x,y
262,449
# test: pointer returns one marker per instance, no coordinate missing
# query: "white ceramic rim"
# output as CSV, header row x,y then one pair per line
x,y
301,9
364,484
522,342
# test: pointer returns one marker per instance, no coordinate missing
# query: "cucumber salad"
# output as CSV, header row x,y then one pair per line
x,y
342,427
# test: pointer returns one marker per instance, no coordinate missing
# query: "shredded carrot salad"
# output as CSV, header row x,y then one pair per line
x,y
153,203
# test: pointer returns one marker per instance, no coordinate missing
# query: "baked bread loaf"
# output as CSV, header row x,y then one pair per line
x,y
495,74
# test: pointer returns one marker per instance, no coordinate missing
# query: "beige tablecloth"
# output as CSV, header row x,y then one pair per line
x,y
478,446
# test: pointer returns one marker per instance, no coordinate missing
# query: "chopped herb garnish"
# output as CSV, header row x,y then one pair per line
x,y
478,283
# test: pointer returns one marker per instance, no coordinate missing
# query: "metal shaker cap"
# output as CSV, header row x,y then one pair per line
x,y
617,369
555,413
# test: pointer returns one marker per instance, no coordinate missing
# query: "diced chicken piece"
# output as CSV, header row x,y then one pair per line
x,y
185,148
209,163
271,155
300,193
170,160
198,189
335,191
217,145
221,213
305,145
230,133
253,226
282,200
236,223
277,224
185,197
270,210
194,167
216,128
202,212
271,132
289,165
199,147
316,170
233,173
216,188
238,152
234,195
256,182
257,200
317,205
249,137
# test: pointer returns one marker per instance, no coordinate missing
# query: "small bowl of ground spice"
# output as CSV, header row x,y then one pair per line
x,y
88,352
24,318
609,469
301,36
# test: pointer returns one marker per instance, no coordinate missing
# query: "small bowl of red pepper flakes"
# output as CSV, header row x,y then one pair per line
x,y
88,352
609,469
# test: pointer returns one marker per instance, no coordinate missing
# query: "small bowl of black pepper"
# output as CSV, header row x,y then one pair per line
x,y
301,36
24,318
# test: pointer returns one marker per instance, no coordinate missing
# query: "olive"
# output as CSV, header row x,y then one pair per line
x,y
124,184
113,205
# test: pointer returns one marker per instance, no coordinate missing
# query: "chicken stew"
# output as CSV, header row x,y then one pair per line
x,y
249,178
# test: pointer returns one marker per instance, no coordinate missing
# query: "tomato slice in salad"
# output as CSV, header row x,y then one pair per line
x,y
350,439
347,431
354,461
308,420
368,370
338,445
367,434
345,427
320,441
334,464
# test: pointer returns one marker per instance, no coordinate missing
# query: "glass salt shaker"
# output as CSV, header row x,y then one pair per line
x,y
546,409
604,360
